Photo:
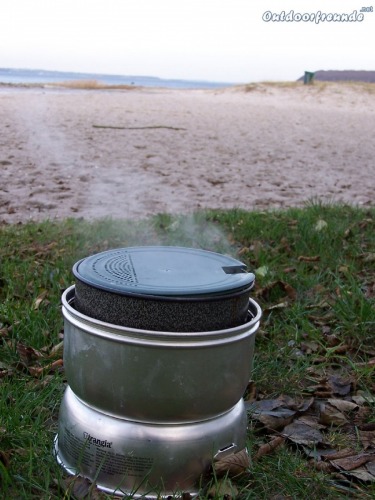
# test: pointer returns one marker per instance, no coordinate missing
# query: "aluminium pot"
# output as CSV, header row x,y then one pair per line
x,y
163,288
125,457
157,376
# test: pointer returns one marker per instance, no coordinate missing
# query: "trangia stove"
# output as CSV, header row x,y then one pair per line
x,y
158,349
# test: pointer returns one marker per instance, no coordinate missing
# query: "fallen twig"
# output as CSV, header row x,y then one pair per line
x,y
138,128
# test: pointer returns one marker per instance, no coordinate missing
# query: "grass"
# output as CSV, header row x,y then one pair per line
x,y
317,86
91,85
315,271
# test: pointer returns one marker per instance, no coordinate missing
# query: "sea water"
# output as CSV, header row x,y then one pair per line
x,y
32,76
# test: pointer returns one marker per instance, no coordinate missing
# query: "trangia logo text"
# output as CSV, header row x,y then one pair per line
x,y
313,17
98,442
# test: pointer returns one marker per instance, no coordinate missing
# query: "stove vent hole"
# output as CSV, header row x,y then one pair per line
x,y
226,450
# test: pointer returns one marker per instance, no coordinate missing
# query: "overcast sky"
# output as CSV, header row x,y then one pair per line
x,y
217,40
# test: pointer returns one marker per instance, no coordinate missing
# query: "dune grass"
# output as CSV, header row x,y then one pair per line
x,y
317,86
91,85
315,270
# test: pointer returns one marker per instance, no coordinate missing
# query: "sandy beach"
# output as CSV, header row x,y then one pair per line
x,y
135,153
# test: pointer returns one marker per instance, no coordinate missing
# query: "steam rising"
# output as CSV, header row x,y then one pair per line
x,y
195,230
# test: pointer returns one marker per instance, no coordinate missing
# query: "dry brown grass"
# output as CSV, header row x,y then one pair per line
x,y
281,84
362,86
90,85
269,85
316,86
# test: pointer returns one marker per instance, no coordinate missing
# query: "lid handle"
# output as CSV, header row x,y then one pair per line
x,y
234,269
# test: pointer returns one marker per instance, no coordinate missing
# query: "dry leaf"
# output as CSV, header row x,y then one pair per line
x,y
370,363
222,489
280,305
265,405
370,466
340,386
331,339
39,299
370,426
302,433
305,406
5,370
363,474
340,349
367,439
41,370
269,447
4,332
279,284
275,414
305,258
243,250
352,462
362,398
343,405
290,291
288,270
309,347
28,354
368,257
233,464
276,420
77,485
312,421
334,455
330,415
323,320
333,385
57,350
251,392
322,466
82,488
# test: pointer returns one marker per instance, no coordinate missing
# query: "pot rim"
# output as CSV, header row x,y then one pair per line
x,y
121,333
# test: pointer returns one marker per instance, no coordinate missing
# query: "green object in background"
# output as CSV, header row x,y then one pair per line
x,y
308,78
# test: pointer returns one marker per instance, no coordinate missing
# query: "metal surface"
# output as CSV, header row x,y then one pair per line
x,y
157,377
144,459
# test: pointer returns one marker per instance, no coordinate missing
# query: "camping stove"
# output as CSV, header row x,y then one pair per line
x,y
147,411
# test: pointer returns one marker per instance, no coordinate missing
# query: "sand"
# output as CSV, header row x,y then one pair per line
x,y
136,153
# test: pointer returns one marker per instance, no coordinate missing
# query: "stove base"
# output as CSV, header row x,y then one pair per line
x,y
144,460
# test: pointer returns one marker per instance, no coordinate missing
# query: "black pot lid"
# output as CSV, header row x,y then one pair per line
x,y
163,271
